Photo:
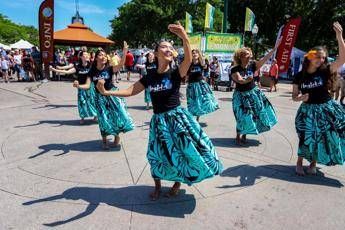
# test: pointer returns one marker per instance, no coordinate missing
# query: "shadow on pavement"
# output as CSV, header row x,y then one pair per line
x,y
231,142
86,146
51,106
58,123
138,107
248,175
131,198
225,99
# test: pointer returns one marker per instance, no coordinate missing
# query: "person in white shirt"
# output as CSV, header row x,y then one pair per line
x,y
4,68
17,57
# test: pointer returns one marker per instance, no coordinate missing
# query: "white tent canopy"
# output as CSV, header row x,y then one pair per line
x,y
21,44
5,47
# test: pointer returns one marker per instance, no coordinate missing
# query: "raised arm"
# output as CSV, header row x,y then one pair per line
x,y
263,60
134,89
117,67
181,33
341,58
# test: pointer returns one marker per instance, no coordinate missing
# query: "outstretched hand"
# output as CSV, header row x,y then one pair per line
x,y
125,45
178,29
337,28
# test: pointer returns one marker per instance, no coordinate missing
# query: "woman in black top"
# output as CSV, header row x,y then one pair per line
x,y
254,114
86,103
200,98
320,121
113,117
178,149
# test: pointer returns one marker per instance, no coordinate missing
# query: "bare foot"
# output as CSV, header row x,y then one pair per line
x,y
155,194
312,169
105,146
244,139
82,122
238,141
299,170
117,141
174,191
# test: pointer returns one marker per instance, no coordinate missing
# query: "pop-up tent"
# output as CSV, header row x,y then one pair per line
x,y
5,47
21,44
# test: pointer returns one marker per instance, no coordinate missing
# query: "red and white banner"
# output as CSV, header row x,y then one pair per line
x,y
46,33
289,36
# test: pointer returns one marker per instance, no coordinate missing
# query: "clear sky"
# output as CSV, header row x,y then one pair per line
x,y
96,13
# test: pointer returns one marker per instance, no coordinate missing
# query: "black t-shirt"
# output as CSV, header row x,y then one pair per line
x,y
314,84
82,72
151,67
106,74
164,89
195,73
245,73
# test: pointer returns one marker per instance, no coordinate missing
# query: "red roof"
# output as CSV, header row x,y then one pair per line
x,y
79,34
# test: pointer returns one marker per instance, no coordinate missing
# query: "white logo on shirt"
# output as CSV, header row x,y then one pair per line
x,y
166,84
317,82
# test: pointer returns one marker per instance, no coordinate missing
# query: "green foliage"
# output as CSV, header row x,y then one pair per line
x,y
315,29
141,22
11,32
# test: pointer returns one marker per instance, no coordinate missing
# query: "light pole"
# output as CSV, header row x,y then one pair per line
x,y
255,31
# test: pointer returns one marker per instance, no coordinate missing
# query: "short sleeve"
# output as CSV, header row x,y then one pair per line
x,y
234,70
296,78
144,81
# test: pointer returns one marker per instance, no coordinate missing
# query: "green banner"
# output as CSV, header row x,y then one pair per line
x,y
195,41
225,43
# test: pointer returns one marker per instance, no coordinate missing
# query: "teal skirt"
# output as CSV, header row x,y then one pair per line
x,y
200,99
254,113
147,97
86,102
179,150
321,132
113,117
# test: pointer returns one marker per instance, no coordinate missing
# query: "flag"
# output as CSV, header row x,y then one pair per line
x,y
289,36
189,25
250,20
209,16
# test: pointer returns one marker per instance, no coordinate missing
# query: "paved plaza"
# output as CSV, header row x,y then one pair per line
x,y
53,172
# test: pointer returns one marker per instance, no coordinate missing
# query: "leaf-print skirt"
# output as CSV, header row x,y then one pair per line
x,y
200,99
113,117
147,97
254,113
179,150
321,132
86,102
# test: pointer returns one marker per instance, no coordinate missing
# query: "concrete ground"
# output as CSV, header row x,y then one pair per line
x,y
53,172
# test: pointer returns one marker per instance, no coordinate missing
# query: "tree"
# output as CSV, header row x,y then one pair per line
x,y
11,32
142,22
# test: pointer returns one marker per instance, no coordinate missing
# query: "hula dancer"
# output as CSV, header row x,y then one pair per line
x,y
86,103
320,121
178,149
113,117
254,114
200,98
